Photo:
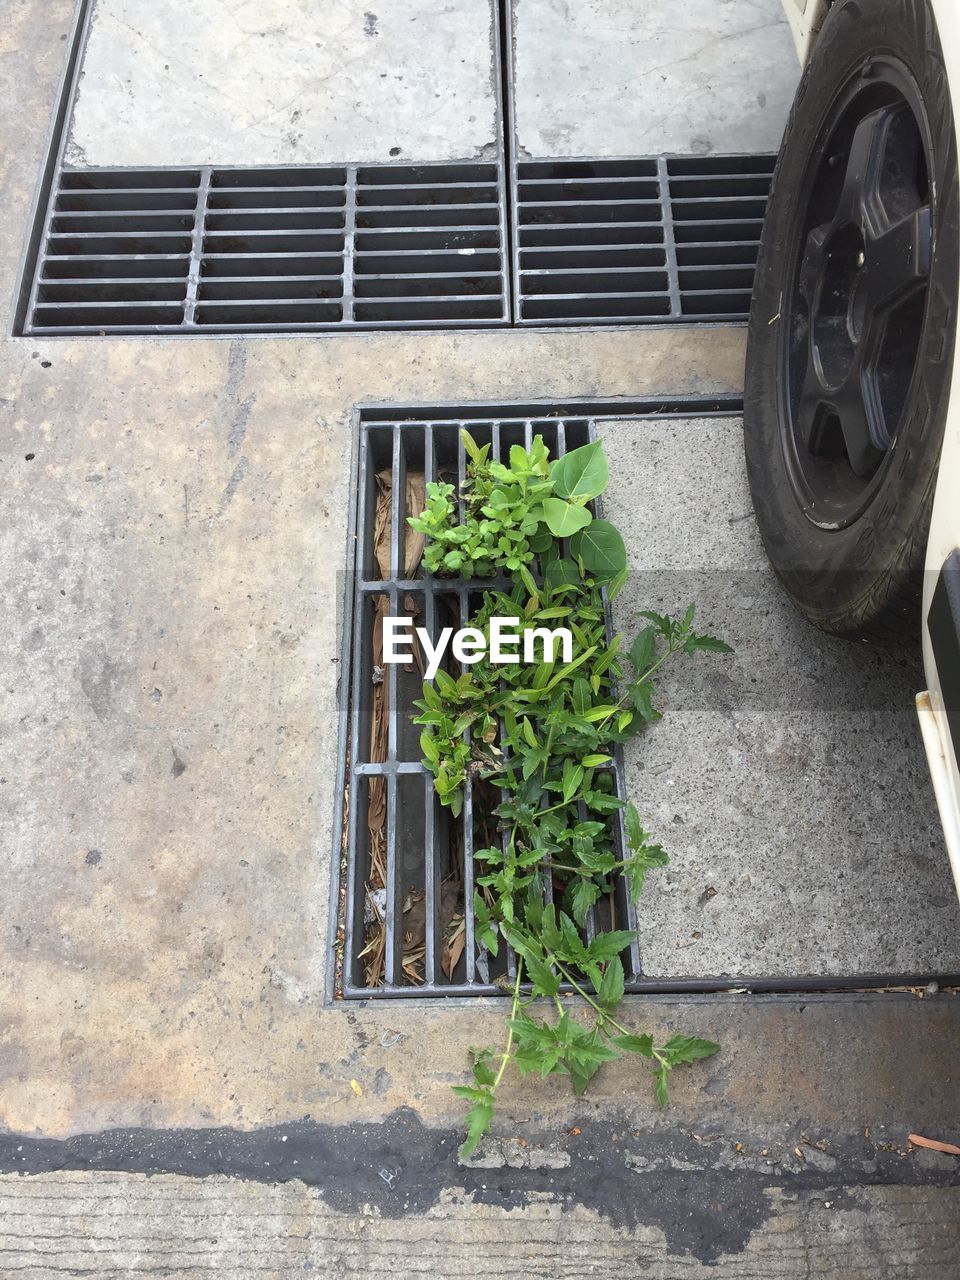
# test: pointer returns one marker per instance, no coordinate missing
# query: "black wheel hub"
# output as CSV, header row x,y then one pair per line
x,y
855,317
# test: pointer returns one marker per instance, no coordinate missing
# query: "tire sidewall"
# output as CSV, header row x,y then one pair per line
x,y
829,571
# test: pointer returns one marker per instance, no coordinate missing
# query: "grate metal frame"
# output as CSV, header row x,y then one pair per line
x,y
416,823
348,869
634,240
661,240
626,241
296,248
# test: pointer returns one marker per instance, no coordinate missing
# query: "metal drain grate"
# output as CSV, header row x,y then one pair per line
x,y
637,240
425,856
128,251
627,241
717,205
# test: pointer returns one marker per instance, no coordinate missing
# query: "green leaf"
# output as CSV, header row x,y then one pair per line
x,y
607,945
643,651
636,1044
708,643
476,455
603,802
572,777
550,930
688,1049
561,573
545,982
636,836
584,894
600,713
641,695
564,518
581,474
580,697
482,1071
478,1120
601,549
611,988
528,580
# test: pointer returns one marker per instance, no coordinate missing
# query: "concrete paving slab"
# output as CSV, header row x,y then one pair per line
x,y
646,77
285,82
788,781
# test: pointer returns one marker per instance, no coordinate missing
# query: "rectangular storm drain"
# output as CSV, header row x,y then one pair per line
x,y
404,921
214,250
635,240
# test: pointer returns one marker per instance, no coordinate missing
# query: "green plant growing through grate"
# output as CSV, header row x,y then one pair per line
x,y
560,725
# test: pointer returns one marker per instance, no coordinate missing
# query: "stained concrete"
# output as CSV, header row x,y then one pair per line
x,y
289,82
645,77
788,781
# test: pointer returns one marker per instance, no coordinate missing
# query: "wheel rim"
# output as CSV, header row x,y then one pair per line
x,y
853,317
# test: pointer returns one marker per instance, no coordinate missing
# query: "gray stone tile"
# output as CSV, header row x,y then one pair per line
x,y
285,82
645,77
787,781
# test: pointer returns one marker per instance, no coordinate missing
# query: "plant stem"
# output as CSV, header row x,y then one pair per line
x,y
513,1013
604,1016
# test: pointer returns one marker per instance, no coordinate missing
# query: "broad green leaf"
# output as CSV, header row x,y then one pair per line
x,y
581,474
601,549
636,836
643,651
564,518
641,695
636,1044
561,573
688,1049
607,945
545,982
572,777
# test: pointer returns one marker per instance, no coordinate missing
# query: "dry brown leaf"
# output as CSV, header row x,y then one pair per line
x,y
932,1144
453,948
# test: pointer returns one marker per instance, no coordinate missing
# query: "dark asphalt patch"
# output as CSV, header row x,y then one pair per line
x,y
705,1198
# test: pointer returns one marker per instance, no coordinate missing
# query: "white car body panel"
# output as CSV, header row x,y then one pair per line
x,y
945,524
806,17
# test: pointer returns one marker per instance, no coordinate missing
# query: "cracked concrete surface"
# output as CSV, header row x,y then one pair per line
x,y
292,82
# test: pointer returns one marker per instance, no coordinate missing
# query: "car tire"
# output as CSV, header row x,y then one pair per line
x,y
850,342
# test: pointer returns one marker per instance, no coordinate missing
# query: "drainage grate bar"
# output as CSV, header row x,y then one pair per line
x,y
282,248
614,241
411,882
